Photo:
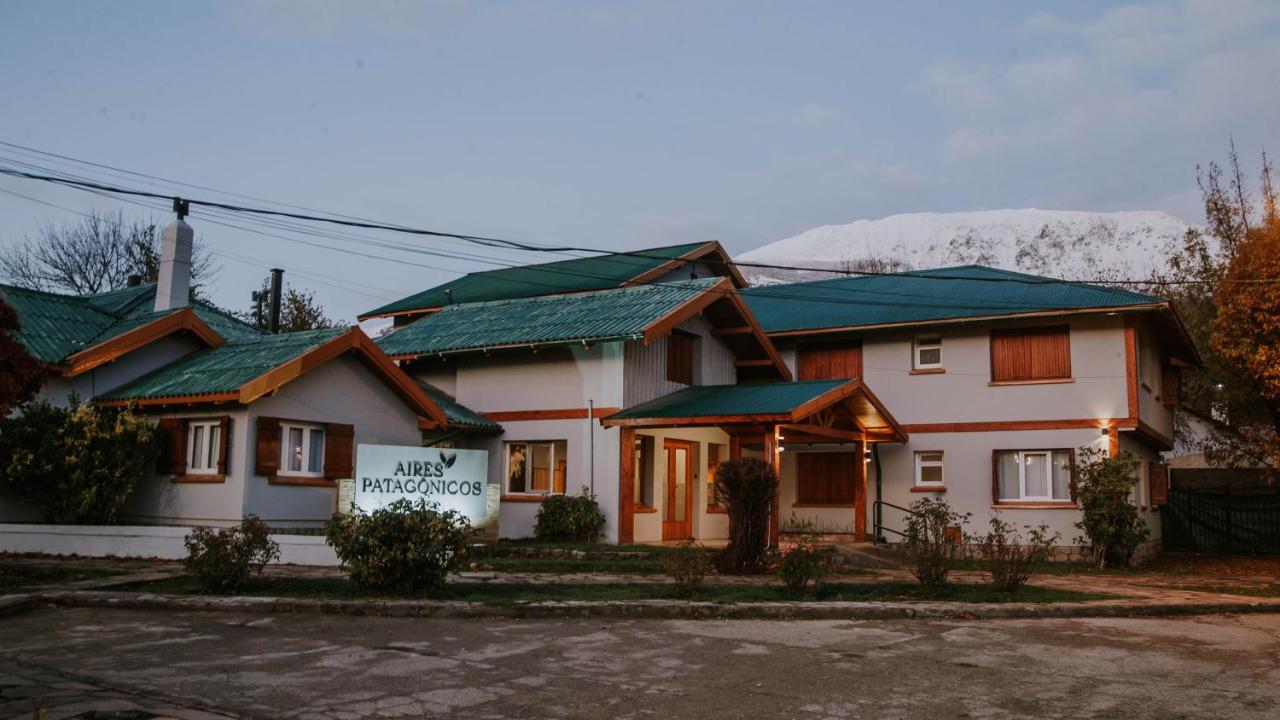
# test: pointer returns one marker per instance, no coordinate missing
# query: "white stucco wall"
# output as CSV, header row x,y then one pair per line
x,y
706,525
109,376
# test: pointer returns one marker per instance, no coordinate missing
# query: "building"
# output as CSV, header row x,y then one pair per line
x,y
980,384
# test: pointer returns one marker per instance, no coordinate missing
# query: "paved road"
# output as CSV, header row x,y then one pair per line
x,y
305,666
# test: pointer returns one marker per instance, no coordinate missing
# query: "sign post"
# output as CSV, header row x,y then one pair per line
x,y
454,479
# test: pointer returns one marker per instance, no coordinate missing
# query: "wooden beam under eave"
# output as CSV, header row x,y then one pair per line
x,y
763,362
820,431
742,330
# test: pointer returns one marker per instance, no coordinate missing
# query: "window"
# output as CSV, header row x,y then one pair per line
x,y
1033,475
827,478
302,450
680,354
829,362
929,468
927,352
1171,386
643,471
537,468
1031,354
716,454
204,444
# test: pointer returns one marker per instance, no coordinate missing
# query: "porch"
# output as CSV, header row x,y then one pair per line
x,y
814,433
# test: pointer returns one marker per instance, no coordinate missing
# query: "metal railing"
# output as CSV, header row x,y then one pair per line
x,y
879,529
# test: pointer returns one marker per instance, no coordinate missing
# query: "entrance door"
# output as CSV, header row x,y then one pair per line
x,y
677,516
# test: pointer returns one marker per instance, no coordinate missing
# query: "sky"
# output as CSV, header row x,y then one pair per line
x,y
620,125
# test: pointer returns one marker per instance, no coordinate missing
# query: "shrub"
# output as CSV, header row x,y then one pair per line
x,y
745,488
78,464
801,563
403,548
1010,558
1112,529
931,541
688,564
224,560
568,518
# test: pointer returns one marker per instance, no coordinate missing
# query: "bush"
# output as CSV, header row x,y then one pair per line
x,y
688,564
76,465
745,489
568,518
1010,557
402,548
1112,529
932,541
801,563
224,560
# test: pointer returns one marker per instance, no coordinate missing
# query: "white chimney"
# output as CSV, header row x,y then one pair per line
x,y
174,287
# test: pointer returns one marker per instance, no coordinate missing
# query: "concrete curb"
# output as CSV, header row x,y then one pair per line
x,y
17,604
643,609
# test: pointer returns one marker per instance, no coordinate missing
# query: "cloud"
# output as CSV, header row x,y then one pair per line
x,y
1114,108
814,116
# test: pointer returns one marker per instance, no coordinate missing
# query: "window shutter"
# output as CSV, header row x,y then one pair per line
x,y
827,362
1028,354
1159,479
339,443
680,357
224,443
174,460
267,458
1171,387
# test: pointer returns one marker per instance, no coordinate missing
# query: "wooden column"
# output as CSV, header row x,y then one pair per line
x,y
774,458
735,447
1113,440
860,491
627,486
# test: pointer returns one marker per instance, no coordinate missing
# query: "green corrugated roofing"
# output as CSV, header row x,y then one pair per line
x,y
55,326
225,368
594,316
459,415
564,276
968,291
713,400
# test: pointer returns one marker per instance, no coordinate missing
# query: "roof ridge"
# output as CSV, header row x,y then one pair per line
x,y
668,285
602,254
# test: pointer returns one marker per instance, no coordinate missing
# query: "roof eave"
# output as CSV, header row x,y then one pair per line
x,y
185,319
801,332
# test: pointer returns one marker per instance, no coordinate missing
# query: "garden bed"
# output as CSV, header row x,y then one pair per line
x,y
17,575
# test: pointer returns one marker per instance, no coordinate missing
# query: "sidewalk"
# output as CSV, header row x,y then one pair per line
x,y
27,689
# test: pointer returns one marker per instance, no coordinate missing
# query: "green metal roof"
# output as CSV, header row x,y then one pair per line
x,y
225,368
459,415
602,315
56,326
966,292
564,276
716,400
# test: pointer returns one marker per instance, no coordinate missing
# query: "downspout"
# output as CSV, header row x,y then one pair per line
x,y
591,445
875,457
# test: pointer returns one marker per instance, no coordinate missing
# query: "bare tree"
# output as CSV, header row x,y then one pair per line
x,y
299,311
94,255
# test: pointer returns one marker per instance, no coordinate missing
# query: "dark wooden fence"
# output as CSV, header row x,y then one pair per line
x,y
1234,521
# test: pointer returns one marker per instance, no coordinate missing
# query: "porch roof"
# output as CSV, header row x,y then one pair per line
x,y
814,407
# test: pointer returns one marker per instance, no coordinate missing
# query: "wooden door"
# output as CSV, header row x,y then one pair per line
x,y
677,514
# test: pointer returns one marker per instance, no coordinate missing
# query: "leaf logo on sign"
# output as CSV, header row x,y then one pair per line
x,y
448,459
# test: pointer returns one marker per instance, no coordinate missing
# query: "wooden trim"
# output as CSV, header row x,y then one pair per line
x,y
557,414
928,489
643,508
967,320
1050,381
1014,505
301,481
927,371
741,330
716,510
199,479
626,485
1005,425
699,421
125,343
523,498
836,433
774,458
685,310
1131,365
817,505
206,398
762,362
761,336
692,256
1113,441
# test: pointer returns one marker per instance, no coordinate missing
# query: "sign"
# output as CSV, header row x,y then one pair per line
x,y
454,479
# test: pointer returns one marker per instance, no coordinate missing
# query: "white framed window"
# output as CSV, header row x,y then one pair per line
x,y
1034,475
537,468
929,468
204,442
926,352
301,450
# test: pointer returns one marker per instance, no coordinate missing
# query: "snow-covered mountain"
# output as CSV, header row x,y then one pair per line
x,y
1057,243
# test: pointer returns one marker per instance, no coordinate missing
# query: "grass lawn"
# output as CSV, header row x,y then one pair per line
x,y
505,593
15,576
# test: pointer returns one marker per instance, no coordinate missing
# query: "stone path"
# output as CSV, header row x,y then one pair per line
x,y
31,691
